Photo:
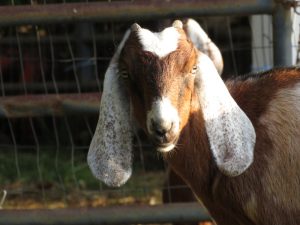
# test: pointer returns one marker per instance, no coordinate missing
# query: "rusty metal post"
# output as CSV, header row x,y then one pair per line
x,y
49,105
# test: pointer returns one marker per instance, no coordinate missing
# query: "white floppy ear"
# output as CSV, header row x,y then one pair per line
x,y
230,132
203,43
110,152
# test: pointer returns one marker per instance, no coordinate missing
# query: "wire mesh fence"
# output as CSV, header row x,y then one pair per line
x,y
44,156
51,81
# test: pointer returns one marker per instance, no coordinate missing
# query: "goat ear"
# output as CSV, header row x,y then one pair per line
x,y
135,27
230,132
110,156
177,24
203,43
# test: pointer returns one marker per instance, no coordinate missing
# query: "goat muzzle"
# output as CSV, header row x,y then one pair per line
x,y
163,138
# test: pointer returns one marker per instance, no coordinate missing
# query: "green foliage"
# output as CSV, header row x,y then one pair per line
x,y
62,168
45,166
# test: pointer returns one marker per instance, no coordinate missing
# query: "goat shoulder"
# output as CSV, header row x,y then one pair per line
x,y
270,186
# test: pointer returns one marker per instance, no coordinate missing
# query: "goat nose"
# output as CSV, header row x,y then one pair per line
x,y
161,128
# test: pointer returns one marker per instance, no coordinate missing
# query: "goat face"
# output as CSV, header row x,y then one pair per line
x,y
159,70
152,78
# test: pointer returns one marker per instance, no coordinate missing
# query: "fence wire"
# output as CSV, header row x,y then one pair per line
x,y
43,158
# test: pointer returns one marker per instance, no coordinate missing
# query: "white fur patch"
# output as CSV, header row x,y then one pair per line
x,y
164,113
109,156
197,35
203,43
162,43
230,132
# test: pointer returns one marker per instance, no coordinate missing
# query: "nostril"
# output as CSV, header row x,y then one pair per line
x,y
160,132
160,129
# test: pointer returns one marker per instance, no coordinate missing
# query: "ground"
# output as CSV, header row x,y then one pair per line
x,y
54,181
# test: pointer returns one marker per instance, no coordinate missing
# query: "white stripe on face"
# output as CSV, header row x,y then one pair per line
x,y
164,114
162,43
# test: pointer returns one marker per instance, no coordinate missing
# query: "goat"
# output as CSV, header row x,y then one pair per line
x,y
236,144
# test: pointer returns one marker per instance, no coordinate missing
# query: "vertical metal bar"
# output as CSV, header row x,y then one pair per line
x,y
56,160
72,153
38,159
232,50
95,56
52,53
21,58
72,55
282,35
42,70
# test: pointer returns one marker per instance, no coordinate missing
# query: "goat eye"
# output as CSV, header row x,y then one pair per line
x,y
194,69
124,73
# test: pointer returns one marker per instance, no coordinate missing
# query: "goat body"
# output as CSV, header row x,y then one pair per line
x,y
268,191
235,144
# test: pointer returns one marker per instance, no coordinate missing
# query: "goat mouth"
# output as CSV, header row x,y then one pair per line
x,y
165,147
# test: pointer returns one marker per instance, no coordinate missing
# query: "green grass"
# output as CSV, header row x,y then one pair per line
x,y
55,177
44,166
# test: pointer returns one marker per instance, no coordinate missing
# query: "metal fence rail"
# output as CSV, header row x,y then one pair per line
x,y
176,212
49,105
143,10
130,10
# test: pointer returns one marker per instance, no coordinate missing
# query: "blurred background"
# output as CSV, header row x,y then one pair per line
x,y
53,56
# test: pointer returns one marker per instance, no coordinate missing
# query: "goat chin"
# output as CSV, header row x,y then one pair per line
x,y
166,149
238,145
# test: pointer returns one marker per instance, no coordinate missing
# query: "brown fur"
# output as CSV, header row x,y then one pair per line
x,y
194,162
